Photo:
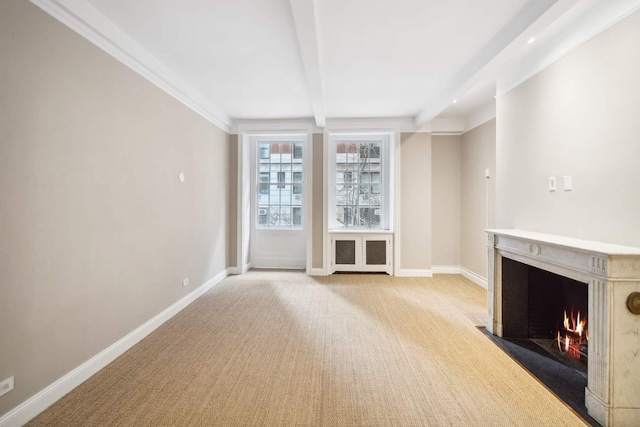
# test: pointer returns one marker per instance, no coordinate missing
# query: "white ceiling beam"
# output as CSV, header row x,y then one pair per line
x,y
305,19
588,19
527,16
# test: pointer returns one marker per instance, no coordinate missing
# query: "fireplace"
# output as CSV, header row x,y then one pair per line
x,y
547,309
534,279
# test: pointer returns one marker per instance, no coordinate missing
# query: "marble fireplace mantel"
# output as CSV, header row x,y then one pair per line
x,y
612,274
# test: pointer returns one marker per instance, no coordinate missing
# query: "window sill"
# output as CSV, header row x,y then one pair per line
x,y
359,231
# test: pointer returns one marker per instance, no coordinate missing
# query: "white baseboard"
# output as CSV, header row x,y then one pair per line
x,y
404,272
446,269
280,263
316,272
478,280
27,410
456,269
233,271
245,268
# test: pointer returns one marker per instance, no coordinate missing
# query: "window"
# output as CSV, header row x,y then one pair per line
x,y
280,184
359,198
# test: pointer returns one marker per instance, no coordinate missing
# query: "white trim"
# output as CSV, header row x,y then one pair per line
x,y
478,280
405,272
308,199
280,263
317,272
326,244
446,269
397,202
456,269
234,271
275,126
447,125
30,408
88,22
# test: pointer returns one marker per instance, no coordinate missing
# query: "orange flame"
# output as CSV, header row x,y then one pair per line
x,y
575,326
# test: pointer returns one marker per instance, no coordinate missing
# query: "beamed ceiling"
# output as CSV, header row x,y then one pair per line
x,y
235,60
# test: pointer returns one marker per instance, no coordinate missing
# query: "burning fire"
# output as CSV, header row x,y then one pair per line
x,y
573,337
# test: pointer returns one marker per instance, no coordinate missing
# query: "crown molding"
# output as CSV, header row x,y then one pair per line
x,y
87,21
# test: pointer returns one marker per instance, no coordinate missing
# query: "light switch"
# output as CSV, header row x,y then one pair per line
x,y
552,183
567,183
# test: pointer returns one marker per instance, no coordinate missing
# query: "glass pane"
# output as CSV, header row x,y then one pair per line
x,y
297,216
280,165
374,150
285,215
285,195
346,252
358,183
297,151
345,215
264,151
274,215
274,192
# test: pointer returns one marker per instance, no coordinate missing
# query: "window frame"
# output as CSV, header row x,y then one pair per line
x,y
386,141
301,187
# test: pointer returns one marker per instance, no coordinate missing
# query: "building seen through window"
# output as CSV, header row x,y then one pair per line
x,y
358,184
280,183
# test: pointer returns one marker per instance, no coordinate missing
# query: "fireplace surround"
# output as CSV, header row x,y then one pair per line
x,y
611,274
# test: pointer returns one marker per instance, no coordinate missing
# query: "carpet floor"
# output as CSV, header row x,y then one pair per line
x,y
272,348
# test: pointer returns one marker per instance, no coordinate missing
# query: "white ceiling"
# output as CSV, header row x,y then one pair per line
x,y
233,60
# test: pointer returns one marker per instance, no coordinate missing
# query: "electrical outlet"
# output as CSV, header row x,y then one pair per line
x,y
6,386
185,282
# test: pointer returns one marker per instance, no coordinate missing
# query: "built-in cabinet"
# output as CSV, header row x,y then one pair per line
x,y
366,252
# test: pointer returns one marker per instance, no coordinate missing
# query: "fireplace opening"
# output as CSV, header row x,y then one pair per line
x,y
548,309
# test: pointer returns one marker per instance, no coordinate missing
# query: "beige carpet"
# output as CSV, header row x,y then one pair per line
x,y
282,348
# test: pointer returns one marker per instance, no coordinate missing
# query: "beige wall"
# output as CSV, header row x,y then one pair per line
x,y
96,231
578,117
317,254
477,196
415,196
445,199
